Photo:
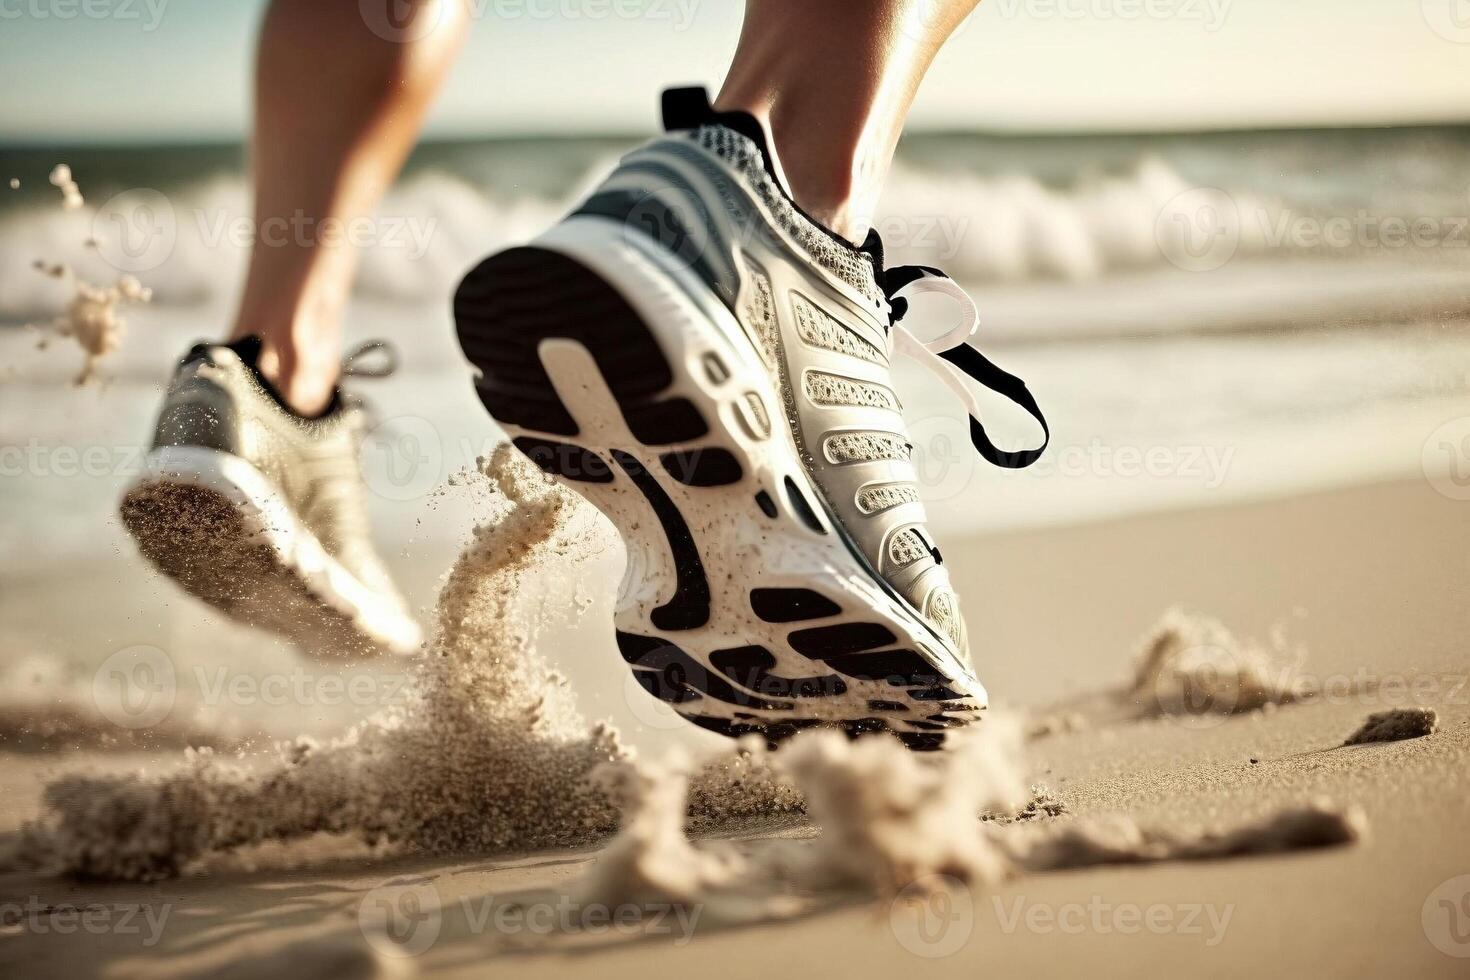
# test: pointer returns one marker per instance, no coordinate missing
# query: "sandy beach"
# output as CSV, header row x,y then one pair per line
x,y
1376,606
1223,622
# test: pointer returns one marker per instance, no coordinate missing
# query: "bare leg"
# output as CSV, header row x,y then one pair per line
x,y
338,107
832,81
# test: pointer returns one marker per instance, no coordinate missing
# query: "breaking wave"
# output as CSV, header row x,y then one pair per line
x,y
191,245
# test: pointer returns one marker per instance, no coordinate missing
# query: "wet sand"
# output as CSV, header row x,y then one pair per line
x,y
1369,582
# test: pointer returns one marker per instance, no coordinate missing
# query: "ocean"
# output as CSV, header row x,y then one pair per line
x,y
1208,290
992,210
1293,302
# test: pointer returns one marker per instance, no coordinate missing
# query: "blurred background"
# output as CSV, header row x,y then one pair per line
x,y
1226,241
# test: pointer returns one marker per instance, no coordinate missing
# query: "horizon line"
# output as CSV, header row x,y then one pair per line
x,y
216,141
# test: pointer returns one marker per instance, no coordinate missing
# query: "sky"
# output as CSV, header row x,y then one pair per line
x,y
147,70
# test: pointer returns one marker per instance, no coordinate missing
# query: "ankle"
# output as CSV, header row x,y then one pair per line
x,y
823,170
305,375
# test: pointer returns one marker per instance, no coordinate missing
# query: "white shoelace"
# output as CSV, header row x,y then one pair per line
x,y
953,359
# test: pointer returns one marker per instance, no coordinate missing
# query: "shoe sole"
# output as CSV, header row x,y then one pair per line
x,y
743,605
211,521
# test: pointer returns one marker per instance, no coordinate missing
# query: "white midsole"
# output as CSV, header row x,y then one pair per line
x,y
648,278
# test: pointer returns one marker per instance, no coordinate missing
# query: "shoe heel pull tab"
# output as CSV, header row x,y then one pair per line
x,y
686,108
199,352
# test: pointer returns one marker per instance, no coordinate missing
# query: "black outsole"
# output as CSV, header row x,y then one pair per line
x,y
518,298
689,607
505,308
564,460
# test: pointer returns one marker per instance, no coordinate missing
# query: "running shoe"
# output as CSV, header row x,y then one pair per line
x,y
262,513
711,368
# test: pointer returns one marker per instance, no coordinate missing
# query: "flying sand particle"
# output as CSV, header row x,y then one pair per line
x,y
1056,724
91,317
489,755
71,194
1120,840
1395,725
1192,665
894,824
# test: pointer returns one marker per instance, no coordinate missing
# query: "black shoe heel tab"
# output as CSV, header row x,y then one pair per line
x,y
690,108
686,108
248,350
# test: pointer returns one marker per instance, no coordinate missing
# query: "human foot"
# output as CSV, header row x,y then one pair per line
x,y
712,370
262,513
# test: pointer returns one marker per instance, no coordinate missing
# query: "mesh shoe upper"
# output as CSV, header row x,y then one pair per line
x,y
217,401
815,309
